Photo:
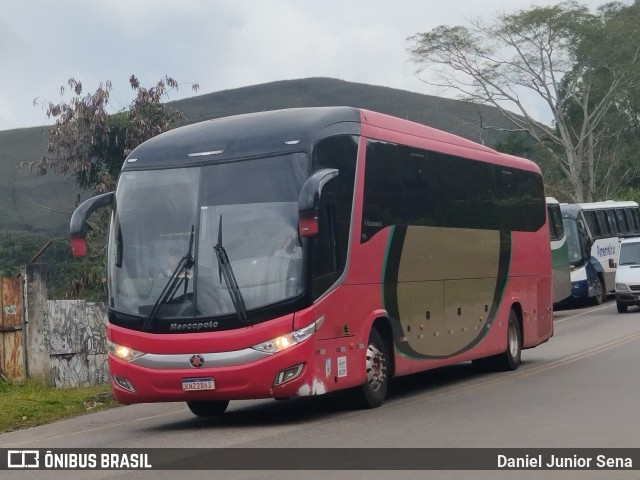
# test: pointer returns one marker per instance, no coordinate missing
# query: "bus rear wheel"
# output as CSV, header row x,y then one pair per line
x,y
208,408
511,358
372,393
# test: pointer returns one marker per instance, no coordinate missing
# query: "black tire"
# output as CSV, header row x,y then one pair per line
x,y
622,307
598,298
208,408
511,358
373,391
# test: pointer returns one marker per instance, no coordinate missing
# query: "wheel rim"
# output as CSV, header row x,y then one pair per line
x,y
514,344
376,368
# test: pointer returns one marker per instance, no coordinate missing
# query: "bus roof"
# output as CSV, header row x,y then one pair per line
x,y
295,130
571,210
606,204
278,131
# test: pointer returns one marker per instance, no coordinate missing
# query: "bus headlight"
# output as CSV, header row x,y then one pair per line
x,y
123,353
622,287
283,342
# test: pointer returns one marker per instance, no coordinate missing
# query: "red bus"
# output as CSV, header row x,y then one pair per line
x,y
303,251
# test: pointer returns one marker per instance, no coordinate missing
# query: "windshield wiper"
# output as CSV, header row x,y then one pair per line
x,y
226,272
178,276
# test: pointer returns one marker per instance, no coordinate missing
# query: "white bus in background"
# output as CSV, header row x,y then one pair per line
x,y
561,276
593,234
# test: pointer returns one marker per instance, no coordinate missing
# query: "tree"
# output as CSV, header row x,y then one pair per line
x,y
90,143
581,67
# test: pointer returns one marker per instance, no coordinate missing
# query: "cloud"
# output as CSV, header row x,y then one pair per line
x,y
220,44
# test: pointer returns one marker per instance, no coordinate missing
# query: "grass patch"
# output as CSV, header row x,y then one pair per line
x,y
31,403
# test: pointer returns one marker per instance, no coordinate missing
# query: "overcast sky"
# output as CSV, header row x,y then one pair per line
x,y
220,44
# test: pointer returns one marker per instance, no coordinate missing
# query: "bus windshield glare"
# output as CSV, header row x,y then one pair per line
x,y
254,216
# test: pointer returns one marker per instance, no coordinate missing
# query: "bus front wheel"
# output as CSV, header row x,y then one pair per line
x,y
598,288
372,393
208,409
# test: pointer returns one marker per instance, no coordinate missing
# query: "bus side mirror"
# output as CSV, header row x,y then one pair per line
x,y
307,225
78,225
309,200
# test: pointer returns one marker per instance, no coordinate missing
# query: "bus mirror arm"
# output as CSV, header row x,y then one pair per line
x,y
78,224
309,200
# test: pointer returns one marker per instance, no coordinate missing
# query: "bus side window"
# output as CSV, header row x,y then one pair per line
x,y
635,213
622,220
613,224
631,221
603,224
330,245
592,223
325,261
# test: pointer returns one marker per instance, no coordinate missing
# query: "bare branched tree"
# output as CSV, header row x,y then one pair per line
x,y
579,66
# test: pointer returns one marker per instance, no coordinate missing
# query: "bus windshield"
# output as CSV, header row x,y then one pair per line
x,y
574,245
253,217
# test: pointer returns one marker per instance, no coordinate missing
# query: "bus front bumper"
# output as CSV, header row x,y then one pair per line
x,y
285,374
580,290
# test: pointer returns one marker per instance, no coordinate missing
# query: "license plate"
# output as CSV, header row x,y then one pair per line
x,y
189,384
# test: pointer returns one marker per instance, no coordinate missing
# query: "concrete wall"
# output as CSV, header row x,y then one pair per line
x,y
35,323
77,343
65,340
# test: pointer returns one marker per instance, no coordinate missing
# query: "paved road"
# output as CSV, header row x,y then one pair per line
x,y
581,389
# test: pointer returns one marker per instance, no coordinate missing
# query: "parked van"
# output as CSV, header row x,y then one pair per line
x,y
628,274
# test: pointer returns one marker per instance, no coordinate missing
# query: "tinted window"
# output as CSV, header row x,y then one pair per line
x,y
622,220
613,224
632,220
636,217
409,186
605,231
556,228
592,223
330,246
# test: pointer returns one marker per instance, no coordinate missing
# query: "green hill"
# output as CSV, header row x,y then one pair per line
x,y
461,118
22,190
42,204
